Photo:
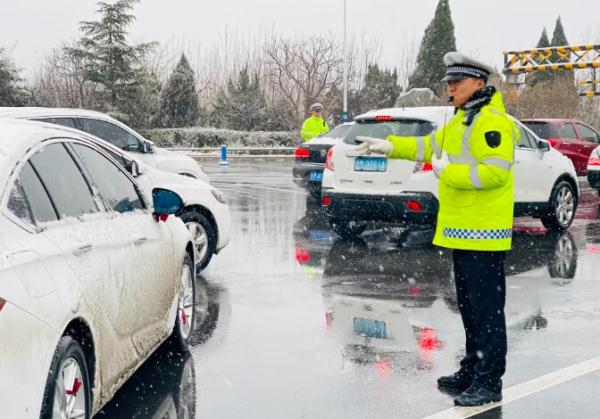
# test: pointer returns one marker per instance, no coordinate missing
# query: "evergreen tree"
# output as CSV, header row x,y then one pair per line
x,y
540,76
437,41
11,91
380,89
543,42
179,99
109,59
242,105
559,38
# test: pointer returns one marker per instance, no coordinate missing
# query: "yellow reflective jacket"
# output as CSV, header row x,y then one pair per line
x,y
313,127
476,190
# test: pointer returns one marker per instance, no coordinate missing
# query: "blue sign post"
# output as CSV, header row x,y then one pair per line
x,y
345,116
223,161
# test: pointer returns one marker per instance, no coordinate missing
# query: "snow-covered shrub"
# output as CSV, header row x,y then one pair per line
x,y
214,137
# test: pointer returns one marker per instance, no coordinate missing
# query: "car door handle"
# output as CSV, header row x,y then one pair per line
x,y
140,241
82,249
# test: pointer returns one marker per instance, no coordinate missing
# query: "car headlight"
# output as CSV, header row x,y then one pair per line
x,y
218,196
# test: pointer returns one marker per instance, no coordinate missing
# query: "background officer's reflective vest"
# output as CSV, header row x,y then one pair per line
x,y
476,190
313,127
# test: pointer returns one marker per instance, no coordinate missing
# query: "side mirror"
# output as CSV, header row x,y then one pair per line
x,y
543,146
166,202
147,146
134,168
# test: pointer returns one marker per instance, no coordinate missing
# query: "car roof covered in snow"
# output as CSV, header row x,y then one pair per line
x,y
33,112
18,136
437,114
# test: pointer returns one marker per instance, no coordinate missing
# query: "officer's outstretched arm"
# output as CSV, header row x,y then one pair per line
x,y
411,148
494,152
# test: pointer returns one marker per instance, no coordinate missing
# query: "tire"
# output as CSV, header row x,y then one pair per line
x,y
186,304
68,364
204,235
563,204
347,229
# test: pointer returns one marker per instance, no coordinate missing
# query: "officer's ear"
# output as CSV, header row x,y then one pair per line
x,y
480,84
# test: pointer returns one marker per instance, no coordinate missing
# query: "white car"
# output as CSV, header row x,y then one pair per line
x,y
116,133
362,190
205,211
93,276
593,169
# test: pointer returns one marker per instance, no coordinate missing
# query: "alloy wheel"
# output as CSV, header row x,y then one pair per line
x,y
186,303
565,205
200,237
69,392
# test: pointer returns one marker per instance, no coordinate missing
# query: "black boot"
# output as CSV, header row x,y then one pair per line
x,y
477,395
457,382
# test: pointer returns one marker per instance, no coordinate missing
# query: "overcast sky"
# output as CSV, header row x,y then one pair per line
x,y
30,28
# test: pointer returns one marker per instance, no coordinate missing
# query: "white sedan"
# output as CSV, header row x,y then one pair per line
x,y
93,276
361,190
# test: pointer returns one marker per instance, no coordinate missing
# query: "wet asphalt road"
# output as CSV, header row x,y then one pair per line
x,y
279,306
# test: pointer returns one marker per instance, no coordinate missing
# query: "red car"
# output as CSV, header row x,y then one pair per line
x,y
573,138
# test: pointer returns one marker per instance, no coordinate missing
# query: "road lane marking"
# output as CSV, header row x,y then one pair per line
x,y
524,389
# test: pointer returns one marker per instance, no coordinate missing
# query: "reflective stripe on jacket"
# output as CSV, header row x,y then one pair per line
x,y
313,127
476,190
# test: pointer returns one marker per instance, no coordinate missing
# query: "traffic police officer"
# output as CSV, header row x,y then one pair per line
x,y
315,125
472,155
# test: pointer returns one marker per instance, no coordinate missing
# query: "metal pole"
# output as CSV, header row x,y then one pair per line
x,y
345,117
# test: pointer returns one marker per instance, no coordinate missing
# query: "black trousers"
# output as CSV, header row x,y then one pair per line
x,y
481,293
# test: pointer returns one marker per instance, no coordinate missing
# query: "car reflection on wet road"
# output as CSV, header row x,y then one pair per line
x,y
305,325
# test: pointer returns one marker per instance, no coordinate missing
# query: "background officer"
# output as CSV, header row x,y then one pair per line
x,y
315,125
472,156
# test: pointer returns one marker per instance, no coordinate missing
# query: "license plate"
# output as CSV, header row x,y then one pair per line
x,y
315,177
370,164
369,328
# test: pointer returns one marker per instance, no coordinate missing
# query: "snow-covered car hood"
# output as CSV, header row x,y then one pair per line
x,y
185,186
173,161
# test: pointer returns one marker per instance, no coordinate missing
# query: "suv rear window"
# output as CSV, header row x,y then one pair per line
x,y
381,129
542,129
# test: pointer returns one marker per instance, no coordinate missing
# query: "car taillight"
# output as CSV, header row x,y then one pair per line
x,y
382,118
329,160
553,142
423,167
326,200
414,206
301,153
594,161
302,255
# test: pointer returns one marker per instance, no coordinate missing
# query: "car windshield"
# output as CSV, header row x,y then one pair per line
x,y
381,129
543,130
338,132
